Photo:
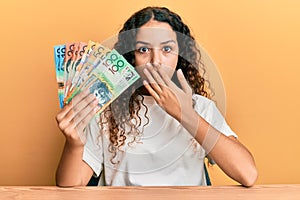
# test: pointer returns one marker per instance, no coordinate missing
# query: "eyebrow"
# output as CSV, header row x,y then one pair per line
x,y
147,43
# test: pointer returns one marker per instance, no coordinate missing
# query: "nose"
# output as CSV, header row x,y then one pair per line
x,y
155,57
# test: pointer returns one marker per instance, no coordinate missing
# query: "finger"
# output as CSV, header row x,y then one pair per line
x,y
164,75
167,80
77,125
80,96
73,112
152,81
151,90
60,116
156,76
183,82
92,106
78,110
81,126
66,109
86,120
83,103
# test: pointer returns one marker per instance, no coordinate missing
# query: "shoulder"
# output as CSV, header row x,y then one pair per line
x,y
202,104
206,108
201,99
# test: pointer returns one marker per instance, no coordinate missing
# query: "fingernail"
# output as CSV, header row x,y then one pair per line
x,y
149,66
145,82
96,109
86,91
180,71
146,71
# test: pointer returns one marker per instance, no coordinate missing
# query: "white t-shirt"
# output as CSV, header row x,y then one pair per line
x,y
166,153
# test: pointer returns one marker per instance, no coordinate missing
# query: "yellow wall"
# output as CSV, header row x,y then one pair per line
x,y
255,45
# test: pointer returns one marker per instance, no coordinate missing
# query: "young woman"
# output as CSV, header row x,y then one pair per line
x,y
159,131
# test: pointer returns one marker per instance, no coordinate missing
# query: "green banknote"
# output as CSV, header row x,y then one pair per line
x,y
111,76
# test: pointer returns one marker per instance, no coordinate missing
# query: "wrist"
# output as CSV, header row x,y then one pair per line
x,y
190,121
72,146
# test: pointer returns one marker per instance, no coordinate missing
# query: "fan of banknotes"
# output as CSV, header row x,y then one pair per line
x,y
104,72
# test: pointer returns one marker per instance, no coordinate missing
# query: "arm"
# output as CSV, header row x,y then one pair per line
x,y
232,157
72,170
72,120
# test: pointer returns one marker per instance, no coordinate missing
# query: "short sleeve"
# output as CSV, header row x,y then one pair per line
x,y
93,151
207,109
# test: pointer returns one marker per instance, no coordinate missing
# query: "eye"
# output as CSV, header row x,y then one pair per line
x,y
167,49
143,49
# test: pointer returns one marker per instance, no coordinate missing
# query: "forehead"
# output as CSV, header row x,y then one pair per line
x,y
155,32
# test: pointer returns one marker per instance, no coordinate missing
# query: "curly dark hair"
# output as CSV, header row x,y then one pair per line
x,y
125,109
